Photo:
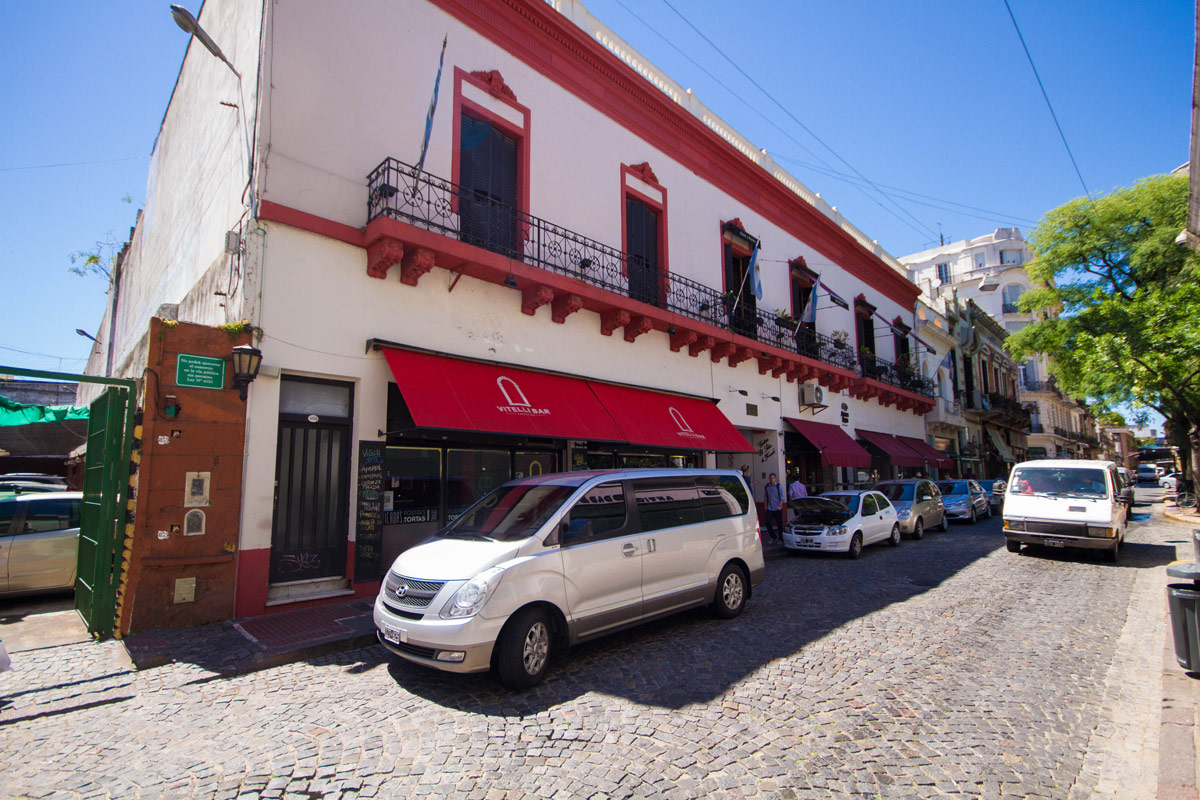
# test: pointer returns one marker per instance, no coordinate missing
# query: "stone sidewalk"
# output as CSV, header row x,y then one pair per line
x,y
1180,722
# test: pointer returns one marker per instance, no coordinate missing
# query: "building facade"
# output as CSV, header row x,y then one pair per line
x,y
581,267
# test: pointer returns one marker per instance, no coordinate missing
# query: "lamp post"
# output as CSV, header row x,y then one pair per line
x,y
189,24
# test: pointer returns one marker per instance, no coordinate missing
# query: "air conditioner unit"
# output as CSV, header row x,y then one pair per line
x,y
812,394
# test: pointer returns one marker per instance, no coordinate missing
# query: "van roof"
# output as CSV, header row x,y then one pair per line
x,y
582,477
1066,462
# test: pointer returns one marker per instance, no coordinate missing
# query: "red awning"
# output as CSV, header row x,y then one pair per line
x,y
896,450
936,457
836,447
456,394
669,420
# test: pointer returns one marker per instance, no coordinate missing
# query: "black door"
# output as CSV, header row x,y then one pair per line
x,y
312,481
641,246
487,175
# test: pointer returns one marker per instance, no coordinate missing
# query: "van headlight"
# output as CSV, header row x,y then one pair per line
x,y
472,595
1015,524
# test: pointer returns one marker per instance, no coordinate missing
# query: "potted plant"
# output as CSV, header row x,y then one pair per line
x,y
840,338
785,320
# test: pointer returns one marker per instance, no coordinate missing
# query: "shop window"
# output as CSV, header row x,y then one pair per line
x,y
413,492
529,464
471,474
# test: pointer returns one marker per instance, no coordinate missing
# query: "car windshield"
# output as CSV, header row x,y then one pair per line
x,y
1060,481
820,511
896,491
508,514
953,487
848,501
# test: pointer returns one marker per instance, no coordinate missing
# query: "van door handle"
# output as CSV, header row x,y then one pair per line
x,y
651,546
630,550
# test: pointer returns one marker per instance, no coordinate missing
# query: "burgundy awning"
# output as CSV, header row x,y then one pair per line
x,y
936,457
835,445
900,454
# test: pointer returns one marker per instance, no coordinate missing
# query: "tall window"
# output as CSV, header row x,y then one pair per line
x,y
865,325
943,272
980,261
1012,257
487,176
641,244
740,304
900,333
1011,294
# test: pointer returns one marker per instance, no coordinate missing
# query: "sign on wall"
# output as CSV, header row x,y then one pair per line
x,y
368,537
200,372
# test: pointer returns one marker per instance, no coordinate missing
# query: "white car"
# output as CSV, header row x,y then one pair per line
x,y
1170,481
841,522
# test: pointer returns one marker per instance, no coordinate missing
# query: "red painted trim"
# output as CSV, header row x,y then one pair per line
x,y
659,204
477,111
273,212
559,50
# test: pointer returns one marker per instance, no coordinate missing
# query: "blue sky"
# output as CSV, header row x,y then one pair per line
x,y
933,102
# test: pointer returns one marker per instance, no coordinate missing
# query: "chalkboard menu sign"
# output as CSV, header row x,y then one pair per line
x,y
368,545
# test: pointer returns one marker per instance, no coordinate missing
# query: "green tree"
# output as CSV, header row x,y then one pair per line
x,y
1118,302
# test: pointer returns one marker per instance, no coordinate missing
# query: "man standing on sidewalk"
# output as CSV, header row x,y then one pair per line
x,y
773,497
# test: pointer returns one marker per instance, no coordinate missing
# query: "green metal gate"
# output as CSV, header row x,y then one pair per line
x,y
105,495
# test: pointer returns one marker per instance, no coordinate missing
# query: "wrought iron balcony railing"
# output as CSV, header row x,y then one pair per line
x,y
899,375
399,191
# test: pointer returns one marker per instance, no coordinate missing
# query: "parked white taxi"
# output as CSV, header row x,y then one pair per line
x,y
841,522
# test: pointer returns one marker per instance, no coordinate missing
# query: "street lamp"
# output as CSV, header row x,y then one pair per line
x,y
87,335
189,24
246,361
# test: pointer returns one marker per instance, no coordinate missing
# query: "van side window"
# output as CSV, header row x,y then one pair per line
x,y
667,503
722,496
604,505
8,510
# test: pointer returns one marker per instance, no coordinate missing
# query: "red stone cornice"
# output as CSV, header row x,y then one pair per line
x,y
556,48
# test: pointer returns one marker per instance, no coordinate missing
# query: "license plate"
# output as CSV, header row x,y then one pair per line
x,y
1054,542
395,635
807,540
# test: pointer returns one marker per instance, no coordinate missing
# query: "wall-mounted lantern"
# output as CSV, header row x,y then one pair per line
x,y
246,361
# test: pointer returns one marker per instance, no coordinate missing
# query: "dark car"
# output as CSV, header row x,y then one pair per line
x,y
965,499
995,488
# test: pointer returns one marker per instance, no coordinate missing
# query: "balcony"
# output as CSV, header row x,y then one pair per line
x,y
696,316
1010,308
946,412
899,375
1037,427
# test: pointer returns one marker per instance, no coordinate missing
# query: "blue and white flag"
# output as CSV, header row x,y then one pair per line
x,y
808,315
754,274
432,106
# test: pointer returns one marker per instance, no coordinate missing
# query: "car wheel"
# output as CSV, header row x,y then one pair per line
x,y
1013,547
974,517
919,529
523,650
945,526
989,511
731,592
855,546
894,539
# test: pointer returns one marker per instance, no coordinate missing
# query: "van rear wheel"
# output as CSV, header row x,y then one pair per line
x,y
731,592
523,650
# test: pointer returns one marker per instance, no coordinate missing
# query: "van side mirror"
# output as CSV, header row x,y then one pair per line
x,y
1127,496
577,530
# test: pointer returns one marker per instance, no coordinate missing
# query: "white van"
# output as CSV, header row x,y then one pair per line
x,y
544,562
1066,503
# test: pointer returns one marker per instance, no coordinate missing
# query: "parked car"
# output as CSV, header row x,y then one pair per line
x,y
965,499
842,522
10,488
34,477
1066,503
1170,480
994,488
39,542
1147,473
547,561
918,504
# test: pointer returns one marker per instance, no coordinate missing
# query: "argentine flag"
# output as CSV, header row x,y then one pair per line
x,y
755,276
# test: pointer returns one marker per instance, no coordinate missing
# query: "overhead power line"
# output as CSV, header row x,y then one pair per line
x,y
73,164
1047,98
795,119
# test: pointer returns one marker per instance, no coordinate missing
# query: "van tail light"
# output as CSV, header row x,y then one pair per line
x,y
758,531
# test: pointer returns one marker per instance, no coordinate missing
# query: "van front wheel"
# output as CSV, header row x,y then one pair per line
x,y
731,592
523,651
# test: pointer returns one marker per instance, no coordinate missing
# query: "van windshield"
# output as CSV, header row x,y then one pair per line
x,y
508,514
1059,482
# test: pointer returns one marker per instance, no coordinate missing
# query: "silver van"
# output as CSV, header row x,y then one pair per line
x,y
544,562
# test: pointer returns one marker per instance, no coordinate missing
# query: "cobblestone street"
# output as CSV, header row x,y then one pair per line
x,y
948,667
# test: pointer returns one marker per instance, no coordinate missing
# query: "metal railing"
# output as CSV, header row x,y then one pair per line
x,y
399,191
899,375
1009,308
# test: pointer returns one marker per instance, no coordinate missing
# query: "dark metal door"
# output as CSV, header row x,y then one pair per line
x,y
488,196
106,470
312,485
641,245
